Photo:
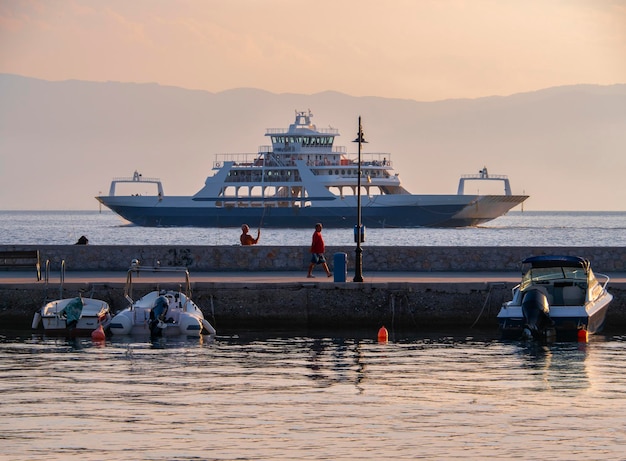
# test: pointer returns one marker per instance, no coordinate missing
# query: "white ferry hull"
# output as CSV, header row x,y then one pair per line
x,y
417,211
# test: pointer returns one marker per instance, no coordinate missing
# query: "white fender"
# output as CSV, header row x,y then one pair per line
x,y
189,325
36,320
208,327
121,324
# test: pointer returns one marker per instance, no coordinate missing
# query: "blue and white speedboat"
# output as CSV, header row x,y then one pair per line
x,y
559,296
302,179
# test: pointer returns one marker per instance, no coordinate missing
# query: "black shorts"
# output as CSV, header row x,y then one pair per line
x,y
318,258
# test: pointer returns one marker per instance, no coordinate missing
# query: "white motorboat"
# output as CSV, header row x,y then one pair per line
x,y
303,179
73,316
163,311
70,316
559,296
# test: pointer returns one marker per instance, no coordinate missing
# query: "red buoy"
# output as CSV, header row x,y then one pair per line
x,y
383,335
98,334
582,336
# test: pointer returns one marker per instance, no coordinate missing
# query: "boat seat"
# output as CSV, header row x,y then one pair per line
x,y
545,291
573,296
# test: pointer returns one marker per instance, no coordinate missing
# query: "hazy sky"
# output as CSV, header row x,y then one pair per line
x,y
416,49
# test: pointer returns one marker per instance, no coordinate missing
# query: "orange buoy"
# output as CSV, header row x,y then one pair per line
x,y
582,336
98,334
383,335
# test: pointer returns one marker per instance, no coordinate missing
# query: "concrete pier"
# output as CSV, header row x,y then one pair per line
x,y
274,299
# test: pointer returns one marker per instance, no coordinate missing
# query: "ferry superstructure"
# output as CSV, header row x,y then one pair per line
x,y
302,179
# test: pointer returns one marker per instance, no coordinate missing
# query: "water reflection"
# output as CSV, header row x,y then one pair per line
x,y
558,366
334,361
309,396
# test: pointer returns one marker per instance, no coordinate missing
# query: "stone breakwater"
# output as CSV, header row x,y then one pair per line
x,y
299,305
296,258
306,303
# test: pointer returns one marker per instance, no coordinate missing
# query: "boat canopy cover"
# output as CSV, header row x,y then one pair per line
x,y
556,261
72,310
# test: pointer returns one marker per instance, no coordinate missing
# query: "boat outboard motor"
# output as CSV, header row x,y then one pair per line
x,y
157,316
536,312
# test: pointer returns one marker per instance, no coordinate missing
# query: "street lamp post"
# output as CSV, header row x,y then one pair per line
x,y
358,261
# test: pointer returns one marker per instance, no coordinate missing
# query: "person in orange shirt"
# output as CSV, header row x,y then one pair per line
x,y
317,252
247,239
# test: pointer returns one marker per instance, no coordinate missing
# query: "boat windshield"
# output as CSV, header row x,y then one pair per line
x,y
547,274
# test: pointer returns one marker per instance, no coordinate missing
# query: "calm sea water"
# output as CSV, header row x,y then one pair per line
x,y
311,397
513,229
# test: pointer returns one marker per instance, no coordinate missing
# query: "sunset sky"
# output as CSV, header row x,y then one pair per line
x,y
415,49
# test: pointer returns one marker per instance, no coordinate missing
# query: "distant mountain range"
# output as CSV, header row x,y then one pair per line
x,y
62,142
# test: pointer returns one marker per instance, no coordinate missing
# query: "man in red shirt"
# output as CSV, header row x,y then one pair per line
x,y
317,252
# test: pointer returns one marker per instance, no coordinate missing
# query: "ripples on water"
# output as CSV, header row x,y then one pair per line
x,y
311,397
513,229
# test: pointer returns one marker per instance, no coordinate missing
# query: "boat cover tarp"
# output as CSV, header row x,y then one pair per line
x,y
72,310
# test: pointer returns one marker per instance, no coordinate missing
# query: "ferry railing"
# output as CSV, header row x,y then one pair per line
x,y
135,179
375,159
270,131
239,158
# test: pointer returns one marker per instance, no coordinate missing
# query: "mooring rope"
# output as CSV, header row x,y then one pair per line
x,y
484,305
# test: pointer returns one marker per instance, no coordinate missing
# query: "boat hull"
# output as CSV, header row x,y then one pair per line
x,y
125,323
183,318
416,211
95,313
568,320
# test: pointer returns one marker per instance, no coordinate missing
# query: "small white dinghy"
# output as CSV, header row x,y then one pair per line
x,y
76,316
162,311
73,316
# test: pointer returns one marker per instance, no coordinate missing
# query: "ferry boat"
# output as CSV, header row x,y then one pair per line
x,y
302,179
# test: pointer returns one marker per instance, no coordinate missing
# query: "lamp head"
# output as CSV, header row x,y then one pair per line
x,y
360,138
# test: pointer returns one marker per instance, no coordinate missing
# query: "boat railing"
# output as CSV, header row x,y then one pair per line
x,y
306,150
246,159
136,269
369,159
606,279
61,278
484,175
334,131
136,179
338,158
46,273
